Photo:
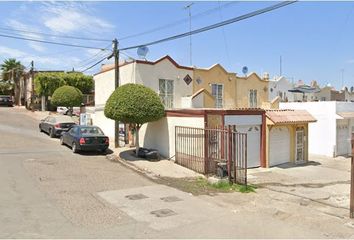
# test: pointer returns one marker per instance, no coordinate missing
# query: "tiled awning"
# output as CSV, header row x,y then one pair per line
x,y
290,116
346,114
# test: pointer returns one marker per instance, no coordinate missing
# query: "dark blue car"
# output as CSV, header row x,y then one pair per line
x,y
85,138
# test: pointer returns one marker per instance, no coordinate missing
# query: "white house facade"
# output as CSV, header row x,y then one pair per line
x,y
330,135
166,77
280,87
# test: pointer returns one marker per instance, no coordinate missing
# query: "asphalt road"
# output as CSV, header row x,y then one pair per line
x,y
49,192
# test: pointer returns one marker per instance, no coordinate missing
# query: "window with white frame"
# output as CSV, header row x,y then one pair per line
x,y
217,92
166,90
252,99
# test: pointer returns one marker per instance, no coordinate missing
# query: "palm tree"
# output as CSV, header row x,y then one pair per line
x,y
12,71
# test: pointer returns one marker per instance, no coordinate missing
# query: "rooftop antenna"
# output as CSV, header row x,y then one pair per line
x,y
189,6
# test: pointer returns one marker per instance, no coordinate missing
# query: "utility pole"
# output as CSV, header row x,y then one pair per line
x,y
351,212
32,83
190,30
116,85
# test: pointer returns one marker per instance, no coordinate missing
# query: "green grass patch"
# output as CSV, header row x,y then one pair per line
x,y
226,186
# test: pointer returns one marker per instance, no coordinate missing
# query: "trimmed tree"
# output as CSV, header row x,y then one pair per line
x,y
67,96
134,104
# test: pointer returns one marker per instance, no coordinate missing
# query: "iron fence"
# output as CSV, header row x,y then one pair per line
x,y
213,151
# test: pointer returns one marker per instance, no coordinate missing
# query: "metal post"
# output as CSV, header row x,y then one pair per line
x,y
351,215
190,30
116,85
32,82
229,143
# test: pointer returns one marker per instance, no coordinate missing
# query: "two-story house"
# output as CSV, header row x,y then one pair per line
x,y
166,77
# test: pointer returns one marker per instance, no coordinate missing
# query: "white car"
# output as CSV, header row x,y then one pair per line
x,y
62,110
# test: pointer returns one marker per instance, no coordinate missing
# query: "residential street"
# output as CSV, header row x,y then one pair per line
x,y
49,192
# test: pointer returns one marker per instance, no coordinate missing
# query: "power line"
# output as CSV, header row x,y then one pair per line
x,y
49,42
216,25
172,24
55,35
93,57
105,58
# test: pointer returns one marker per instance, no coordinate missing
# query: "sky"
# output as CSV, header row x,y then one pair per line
x,y
314,39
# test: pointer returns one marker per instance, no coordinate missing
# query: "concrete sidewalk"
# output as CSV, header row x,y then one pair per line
x,y
161,168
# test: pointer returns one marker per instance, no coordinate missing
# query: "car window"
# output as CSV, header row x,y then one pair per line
x,y
72,130
91,131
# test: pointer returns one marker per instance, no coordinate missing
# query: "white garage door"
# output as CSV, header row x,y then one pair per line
x,y
342,139
253,144
279,146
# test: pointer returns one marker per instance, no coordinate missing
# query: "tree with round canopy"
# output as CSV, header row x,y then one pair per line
x,y
134,104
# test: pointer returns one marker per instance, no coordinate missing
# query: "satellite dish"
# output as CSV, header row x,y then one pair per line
x,y
142,51
245,70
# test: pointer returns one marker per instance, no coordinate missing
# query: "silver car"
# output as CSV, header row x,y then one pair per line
x,y
55,125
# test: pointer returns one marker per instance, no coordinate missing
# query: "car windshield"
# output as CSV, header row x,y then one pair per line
x,y
91,131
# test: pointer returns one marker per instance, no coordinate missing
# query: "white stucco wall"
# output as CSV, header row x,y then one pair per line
x,y
322,134
104,87
283,85
160,135
149,76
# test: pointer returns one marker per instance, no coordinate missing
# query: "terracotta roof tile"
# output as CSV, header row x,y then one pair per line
x,y
289,116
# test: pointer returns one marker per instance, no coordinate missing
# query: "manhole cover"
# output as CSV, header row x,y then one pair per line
x,y
171,199
136,196
163,213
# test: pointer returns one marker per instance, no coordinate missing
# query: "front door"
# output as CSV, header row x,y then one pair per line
x,y
299,151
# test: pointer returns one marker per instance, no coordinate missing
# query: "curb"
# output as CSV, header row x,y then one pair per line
x,y
114,158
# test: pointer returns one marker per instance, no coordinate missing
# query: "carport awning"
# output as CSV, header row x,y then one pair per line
x,y
346,114
290,116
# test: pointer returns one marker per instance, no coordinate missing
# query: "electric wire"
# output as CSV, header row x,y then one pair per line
x,y
54,35
216,25
49,42
172,24
93,65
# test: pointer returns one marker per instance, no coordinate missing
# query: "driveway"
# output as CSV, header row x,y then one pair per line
x,y
324,180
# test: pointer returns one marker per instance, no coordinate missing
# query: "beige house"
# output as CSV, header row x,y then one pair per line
x,y
229,90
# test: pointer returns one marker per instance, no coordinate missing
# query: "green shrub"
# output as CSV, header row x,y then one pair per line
x,y
67,96
134,103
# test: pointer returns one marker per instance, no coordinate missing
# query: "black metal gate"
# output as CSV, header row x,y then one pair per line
x,y
213,151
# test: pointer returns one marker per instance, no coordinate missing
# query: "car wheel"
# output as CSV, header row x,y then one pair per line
x,y
51,133
74,148
40,129
61,140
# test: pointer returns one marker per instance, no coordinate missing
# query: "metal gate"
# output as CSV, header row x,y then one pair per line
x,y
213,151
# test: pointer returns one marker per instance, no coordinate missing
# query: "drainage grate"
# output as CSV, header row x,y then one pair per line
x,y
163,213
171,199
136,196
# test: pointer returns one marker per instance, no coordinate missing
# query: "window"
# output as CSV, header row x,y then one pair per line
x,y
252,100
217,92
166,92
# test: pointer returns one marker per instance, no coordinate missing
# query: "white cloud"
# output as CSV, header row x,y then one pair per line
x,y
17,25
11,52
72,17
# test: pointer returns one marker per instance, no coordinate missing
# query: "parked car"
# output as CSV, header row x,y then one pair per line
x,y
62,110
85,138
55,125
6,100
